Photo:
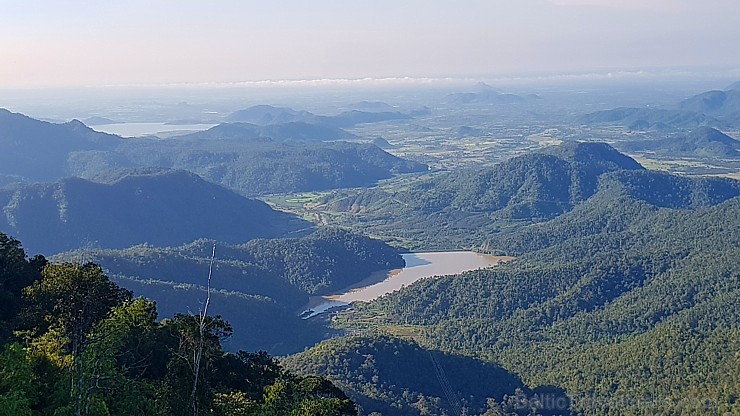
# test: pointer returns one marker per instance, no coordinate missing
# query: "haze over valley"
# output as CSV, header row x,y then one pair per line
x,y
381,210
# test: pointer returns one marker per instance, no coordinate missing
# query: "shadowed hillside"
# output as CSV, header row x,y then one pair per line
x,y
156,207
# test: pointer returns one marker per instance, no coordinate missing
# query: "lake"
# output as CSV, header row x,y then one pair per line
x,y
418,266
150,129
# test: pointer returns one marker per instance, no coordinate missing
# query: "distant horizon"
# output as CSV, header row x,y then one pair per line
x,y
655,74
88,43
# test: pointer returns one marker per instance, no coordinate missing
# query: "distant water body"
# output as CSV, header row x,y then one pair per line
x,y
150,129
418,266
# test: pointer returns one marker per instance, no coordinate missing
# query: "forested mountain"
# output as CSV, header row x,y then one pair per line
x,y
265,115
531,186
158,207
390,376
711,108
649,118
37,150
537,185
725,105
294,130
260,168
260,285
249,159
702,142
465,204
629,301
85,346
624,198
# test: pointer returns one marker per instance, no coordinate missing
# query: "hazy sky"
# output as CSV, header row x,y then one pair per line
x,y
79,42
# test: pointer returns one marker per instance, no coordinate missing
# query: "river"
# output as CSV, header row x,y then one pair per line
x,y
418,266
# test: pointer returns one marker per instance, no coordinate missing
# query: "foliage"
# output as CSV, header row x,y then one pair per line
x,y
259,286
492,207
391,376
16,272
629,302
255,167
87,348
238,156
461,208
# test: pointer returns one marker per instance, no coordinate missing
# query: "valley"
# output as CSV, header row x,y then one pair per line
x,y
461,250
370,208
417,266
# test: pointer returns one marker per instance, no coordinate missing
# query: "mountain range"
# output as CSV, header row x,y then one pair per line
x,y
158,207
463,208
291,130
38,150
712,108
702,142
251,159
630,296
648,118
266,115
535,185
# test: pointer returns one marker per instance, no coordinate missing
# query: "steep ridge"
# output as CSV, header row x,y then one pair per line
x,y
38,150
635,284
158,207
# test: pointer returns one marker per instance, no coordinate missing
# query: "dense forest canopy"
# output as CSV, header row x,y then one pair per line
x,y
642,292
622,299
84,346
467,207
260,285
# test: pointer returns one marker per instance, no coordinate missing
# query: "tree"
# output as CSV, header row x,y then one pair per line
x,y
17,382
308,396
248,372
181,370
64,307
124,367
16,272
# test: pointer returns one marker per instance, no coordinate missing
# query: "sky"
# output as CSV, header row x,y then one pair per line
x,y
50,43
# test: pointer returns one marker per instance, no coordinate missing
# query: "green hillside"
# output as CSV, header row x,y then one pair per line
x,y
390,376
628,302
461,207
134,207
250,159
84,346
256,167
260,285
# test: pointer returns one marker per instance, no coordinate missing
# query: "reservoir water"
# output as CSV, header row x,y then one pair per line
x,y
150,129
418,266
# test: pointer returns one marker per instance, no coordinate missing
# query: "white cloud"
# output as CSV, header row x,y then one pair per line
x,y
660,5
